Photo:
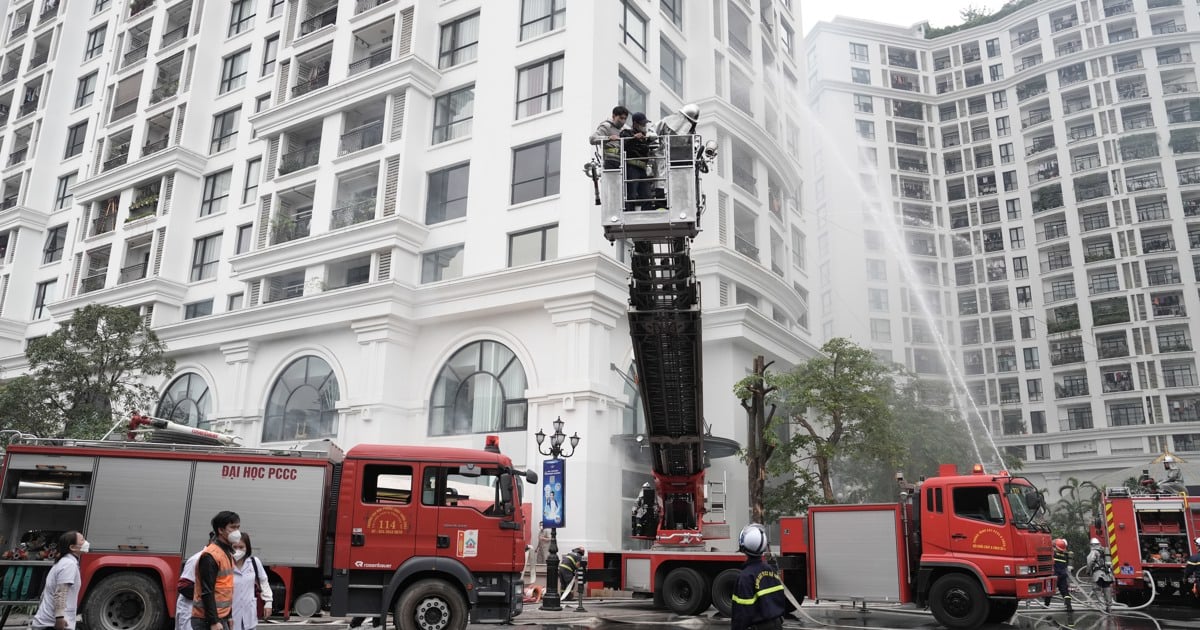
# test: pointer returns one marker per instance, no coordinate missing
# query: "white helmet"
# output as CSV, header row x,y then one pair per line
x,y
691,111
1095,542
753,540
1197,541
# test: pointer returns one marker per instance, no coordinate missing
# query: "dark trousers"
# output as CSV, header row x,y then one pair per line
x,y
201,624
638,193
773,624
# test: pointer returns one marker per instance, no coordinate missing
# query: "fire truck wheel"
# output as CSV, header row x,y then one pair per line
x,y
125,601
722,591
958,601
431,605
1002,610
685,591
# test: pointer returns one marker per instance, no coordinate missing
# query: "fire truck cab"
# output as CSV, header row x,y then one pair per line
x,y
411,530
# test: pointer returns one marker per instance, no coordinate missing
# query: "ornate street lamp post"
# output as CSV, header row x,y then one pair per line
x,y
551,599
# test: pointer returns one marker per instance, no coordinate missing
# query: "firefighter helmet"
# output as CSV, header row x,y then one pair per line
x,y
753,540
691,111
1197,541
1095,542
1060,544
578,551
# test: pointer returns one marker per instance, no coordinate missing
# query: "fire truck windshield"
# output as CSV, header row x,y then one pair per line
x,y
1024,500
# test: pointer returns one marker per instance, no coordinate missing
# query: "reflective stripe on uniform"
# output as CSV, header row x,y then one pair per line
x,y
752,600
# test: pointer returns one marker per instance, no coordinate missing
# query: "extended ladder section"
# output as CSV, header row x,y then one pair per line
x,y
664,325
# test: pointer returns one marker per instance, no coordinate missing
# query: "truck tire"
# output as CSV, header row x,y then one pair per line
x,y
430,605
685,591
958,602
722,591
1002,610
125,601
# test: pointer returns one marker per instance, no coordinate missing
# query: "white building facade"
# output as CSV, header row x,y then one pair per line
x,y
1040,177
367,221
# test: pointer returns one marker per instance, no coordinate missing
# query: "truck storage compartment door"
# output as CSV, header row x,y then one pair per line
x,y
383,532
281,501
472,526
139,504
856,552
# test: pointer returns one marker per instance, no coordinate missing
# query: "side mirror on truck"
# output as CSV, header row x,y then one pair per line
x,y
531,477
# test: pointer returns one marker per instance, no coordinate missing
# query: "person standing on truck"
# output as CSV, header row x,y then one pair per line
x,y
214,575
608,135
1100,565
759,600
186,589
60,595
249,584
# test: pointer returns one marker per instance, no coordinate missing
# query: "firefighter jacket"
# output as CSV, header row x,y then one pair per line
x,y
758,595
1061,558
1100,566
1193,567
567,567
214,584
612,148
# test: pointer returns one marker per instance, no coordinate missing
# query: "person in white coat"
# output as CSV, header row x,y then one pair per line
x,y
248,572
183,602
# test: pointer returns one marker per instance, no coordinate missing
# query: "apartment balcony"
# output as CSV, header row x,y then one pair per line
x,y
1087,193
362,137
1139,152
1097,254
911,191
174,35
1068,49
367,5
116,159
1058,295
137,6
319,21
1040,145
1055,262
285,228
1193,240
19,30
1113,350
1066,355
1184,115
1162,4
1183,87
913,166
1131,93
104,224
1086,163
165,89
317,82
910,139
377,58
1170,310
745,246
1174,344
1168,29
1148,181
1081,133
28,107
1070,390
1151,245
39,58
1126,66
299,159
1063,24
94,282
1157,211
1191,208
134,55
1188,176
352,213
1026,93
1044,172
132,273
124,110
49,12
1140,121
1036,118
18,155
1026,37
1163,276
901,83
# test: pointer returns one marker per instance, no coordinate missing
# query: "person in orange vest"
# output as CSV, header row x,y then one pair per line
x,y
214,575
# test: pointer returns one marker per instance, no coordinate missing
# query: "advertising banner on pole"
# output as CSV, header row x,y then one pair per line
x,y
554,496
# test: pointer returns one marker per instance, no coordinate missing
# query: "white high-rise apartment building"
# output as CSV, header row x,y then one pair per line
x,y
367,220
1041,174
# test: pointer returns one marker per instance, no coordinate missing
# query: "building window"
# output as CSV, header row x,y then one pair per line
x,y
860,76
56,242
877,299
452,114
858,52
235,302
881,330
270,54
262,102
630,93
863,104
95,43
186,401
876,270
443,264
670,66
1016,237
276,8
993,48
633,28
233,71
241,15
225,130
1002,127
63,194
447,197
536,170
75,138
216,192
1020,267
739,31
996,71
999,99
866,129
100,5
481,388
85,90
206,252
460,41
302,403
253,174
542,16
242,242
1032,361
46,293
540,87
673,9
197,309
533,246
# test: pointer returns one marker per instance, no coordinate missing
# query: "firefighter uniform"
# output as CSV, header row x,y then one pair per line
x,y
759,601
567,567
1192,574
1062,571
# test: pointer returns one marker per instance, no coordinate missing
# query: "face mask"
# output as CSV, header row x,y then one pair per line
x,y
235,536
87,544
238,554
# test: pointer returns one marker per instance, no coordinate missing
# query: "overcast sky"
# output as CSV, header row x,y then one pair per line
x,y
898,12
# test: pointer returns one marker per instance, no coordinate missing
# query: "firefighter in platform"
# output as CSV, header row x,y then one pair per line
x,y
638,187
608,135
1191,573
566,571
1173,484
214,575
759,600
1062,571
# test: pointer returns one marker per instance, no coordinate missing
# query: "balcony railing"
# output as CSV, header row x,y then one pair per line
x,y
49,12
1157,244
1161,4
361,137
116,159
1131,93
1183,87
745,246
1058,295
1140,121
319,21
1175,116
131,273
1167,29
1144,182
1099,253
352,213
39,58
289,228
1066,355
1135,64
1174,345
1085,163
1165,276
1141,152
1063,24
19,29
1056,262
1113,350
297,160
1036,118
366,5
135,54
91,283
1085,193
1191,208
122,110
1039,145
28,107
104,224
154,147
1169,310
1153,211
166,89
1068,49
10,74
18,155
174,35
317,82
1070,390
377,58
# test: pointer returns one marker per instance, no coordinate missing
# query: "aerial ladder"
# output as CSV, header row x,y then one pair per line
x,y
664,325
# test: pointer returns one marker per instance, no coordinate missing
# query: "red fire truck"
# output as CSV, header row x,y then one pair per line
x,y
1150,536
965,545
432,535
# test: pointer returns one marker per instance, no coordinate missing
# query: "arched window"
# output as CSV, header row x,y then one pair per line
x,y
185,401
301,404
481,388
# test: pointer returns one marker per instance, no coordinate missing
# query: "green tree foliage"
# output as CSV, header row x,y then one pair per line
x,y
975,16
85,374
1078,505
